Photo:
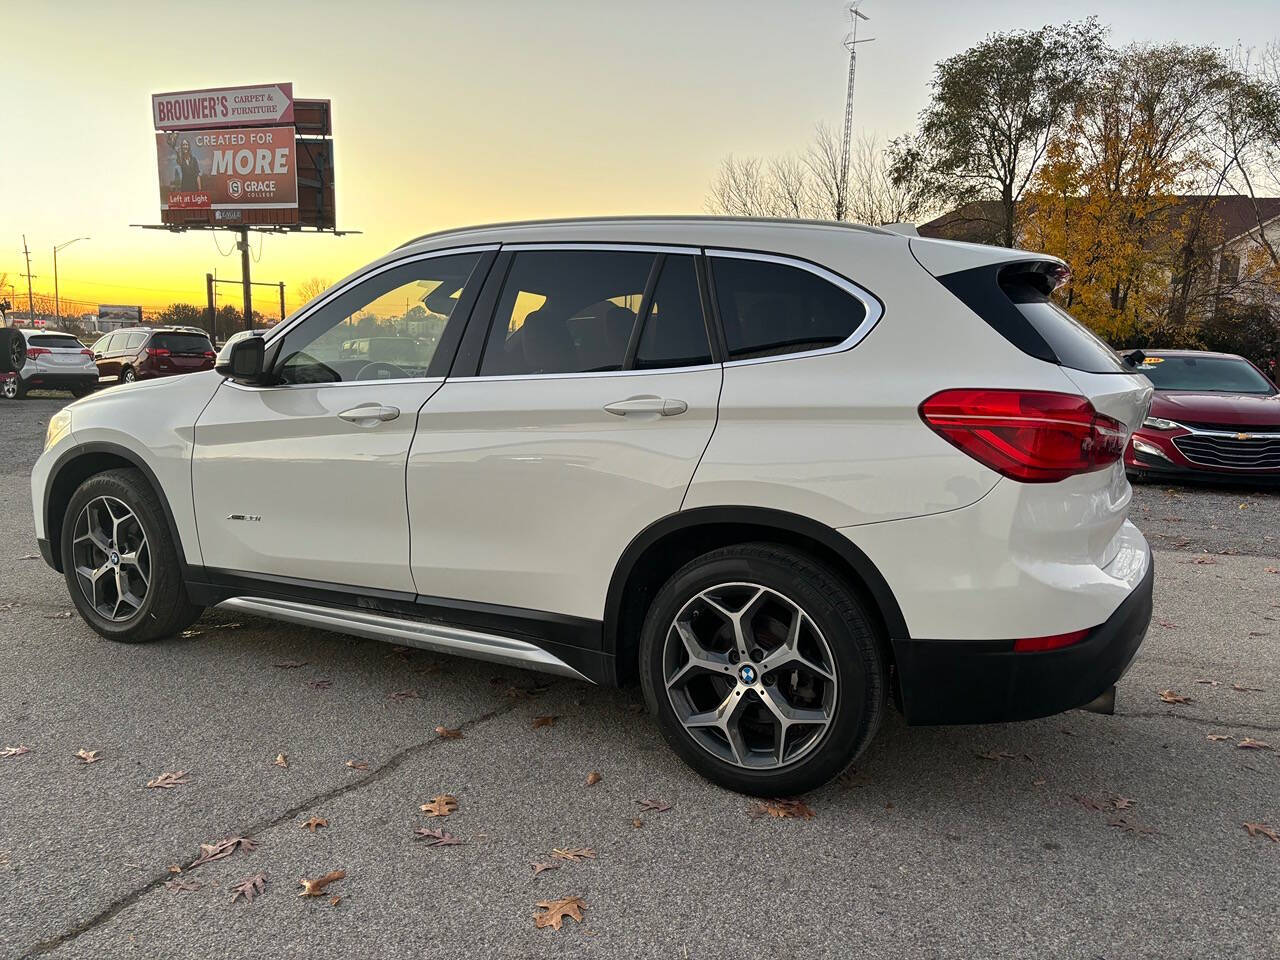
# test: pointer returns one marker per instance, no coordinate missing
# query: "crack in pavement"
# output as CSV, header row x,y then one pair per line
x,y
1204,721
387,768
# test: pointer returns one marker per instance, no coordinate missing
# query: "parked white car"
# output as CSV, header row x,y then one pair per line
x,y
55,361
779,473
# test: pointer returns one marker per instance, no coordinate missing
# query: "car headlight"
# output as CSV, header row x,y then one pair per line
x,y
1158,423
59,427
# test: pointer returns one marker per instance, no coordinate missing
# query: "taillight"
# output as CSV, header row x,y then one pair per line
x,y
1035,436
210,355
157,352
86,352
1055,642
38,351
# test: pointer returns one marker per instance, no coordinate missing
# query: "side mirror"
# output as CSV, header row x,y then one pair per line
x,y
243,360
1135,358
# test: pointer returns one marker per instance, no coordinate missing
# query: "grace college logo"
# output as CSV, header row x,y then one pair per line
x,y
234,188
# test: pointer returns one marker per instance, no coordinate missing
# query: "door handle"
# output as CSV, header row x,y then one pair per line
x,y
659,405
369,414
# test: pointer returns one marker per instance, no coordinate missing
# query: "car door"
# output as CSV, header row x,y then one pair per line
x,y
102,357
304,478
572,421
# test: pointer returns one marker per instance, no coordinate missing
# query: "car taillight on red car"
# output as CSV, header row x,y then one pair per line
x,y
1034,436
157,352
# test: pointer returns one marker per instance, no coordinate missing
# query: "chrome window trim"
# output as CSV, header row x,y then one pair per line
x,y
534,245
257,388
589,375
870,303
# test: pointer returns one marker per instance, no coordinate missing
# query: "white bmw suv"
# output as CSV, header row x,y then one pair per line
x,y
780,473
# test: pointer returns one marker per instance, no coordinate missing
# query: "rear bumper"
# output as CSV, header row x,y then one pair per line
x,y
40,380
984,681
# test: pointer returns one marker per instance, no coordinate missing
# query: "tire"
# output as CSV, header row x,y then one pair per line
x,y
128,376
9,388
163,609
13,350
836,635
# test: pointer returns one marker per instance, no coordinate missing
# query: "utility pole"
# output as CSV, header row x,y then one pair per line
x,y
851,42
281,299
244,277
57,307
31,300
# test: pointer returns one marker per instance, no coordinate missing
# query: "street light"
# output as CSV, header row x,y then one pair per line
x,y
57,309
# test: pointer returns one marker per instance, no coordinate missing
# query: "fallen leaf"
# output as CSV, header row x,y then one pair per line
x,y
290,664
1170,696
441,806
1131,826
224,848
191,634
1204,560
334,901
593,778
1241,688
1271,569
281,760
174,868
249,887
445,733
1248,743
14,751
1121,803
315,823
357,765
437,838
1166,624
167,780
1262,830
539,867
29,556
88,756
313,888
556,910
1086,801
637,822
544,721
181,886
400,696
322,684
573,854
657,806
1215,737
782,809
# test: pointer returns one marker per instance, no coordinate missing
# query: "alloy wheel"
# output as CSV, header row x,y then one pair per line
x,y
9,389
750,676
112,559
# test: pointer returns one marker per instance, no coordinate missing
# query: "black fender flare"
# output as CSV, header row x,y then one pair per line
x,y
779,520
70,456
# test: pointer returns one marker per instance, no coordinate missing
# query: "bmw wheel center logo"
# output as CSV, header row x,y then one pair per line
x,y
747,674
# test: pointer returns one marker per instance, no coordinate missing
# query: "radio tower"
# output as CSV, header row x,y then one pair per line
x,y
851,42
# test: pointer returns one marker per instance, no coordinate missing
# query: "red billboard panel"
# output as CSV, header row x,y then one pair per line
x,y
223,107
242,168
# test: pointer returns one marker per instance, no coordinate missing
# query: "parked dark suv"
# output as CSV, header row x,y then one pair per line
x,y
142,353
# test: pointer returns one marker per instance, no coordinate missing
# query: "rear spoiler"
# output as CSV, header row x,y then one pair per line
x,y
941,257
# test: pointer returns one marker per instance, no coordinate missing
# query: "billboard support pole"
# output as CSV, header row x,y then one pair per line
x,y
244,276
281,299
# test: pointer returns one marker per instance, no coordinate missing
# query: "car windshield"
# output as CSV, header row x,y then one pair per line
x,y
1205,375
64,341
182,342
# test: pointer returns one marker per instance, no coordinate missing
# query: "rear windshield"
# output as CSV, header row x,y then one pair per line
x,y
54,340
1072,343
1204,375
182,342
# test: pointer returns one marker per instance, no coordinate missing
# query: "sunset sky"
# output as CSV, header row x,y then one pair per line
x,y
453,113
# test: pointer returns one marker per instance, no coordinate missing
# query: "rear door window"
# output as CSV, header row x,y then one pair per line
x,y
566,311
772,309
675,331
131,343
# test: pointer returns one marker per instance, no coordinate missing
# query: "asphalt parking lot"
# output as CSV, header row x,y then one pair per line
x,y
1075,836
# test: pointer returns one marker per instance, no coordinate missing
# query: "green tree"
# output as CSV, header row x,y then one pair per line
x,y
182,314
993,110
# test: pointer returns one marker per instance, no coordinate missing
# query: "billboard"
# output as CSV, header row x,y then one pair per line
x,y
223,107
119,313
228,169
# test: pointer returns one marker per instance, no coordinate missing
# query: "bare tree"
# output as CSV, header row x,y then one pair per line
x,y
812,186
311,288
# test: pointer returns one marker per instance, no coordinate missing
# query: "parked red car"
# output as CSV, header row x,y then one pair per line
x,y
1213,416
140,353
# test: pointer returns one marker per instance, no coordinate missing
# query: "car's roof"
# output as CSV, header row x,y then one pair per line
x,y
567,224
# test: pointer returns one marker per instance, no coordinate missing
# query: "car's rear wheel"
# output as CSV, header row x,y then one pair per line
x,y
9,388
127,375
13,350
120,561
763,669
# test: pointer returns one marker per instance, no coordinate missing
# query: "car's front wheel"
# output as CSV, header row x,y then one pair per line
x,y
120,561
127,375
763,669
9,388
